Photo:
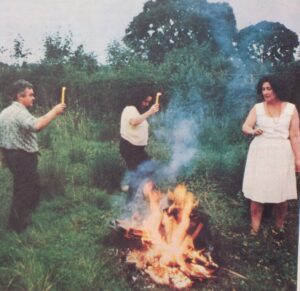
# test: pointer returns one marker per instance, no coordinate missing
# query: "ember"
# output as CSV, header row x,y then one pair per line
x,y
167,234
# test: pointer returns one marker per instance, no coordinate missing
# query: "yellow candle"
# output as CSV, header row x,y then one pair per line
x,y
158,94
63,89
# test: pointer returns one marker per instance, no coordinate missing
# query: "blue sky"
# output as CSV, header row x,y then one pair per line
x,y
96,23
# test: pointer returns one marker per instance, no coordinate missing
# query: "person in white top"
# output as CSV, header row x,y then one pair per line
x,y
134,130
274,153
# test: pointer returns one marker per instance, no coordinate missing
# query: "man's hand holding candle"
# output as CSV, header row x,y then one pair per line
x,y
59,108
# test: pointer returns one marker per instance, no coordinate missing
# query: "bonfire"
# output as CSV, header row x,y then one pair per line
x,y
167,234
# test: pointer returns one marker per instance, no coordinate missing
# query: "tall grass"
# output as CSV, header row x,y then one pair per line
x,y
5,194
62,249
79,156
107,168
69,245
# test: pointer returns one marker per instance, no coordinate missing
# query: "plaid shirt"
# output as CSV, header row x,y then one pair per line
x,y
17,128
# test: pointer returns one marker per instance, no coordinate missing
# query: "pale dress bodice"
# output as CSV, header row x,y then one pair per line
x,y
274,127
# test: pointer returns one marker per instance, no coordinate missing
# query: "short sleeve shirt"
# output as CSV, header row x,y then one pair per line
x,y
138,134
18,128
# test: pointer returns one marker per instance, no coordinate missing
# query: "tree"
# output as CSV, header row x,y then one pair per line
x,y
199,76
167,24
118,55
83,61
290,75
267,42
19,52
2,49
57,48
294,73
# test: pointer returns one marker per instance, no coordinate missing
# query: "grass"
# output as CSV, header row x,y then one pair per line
x,y
70,246
62,249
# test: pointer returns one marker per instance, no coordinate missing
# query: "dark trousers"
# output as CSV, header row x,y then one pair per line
x,y
26,187
132,154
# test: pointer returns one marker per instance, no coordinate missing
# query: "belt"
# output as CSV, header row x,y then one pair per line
x,y
20,151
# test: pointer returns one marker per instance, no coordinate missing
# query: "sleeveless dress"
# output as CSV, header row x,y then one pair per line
x,y
270,167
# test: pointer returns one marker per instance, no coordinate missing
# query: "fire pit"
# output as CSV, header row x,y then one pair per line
x,y
167,235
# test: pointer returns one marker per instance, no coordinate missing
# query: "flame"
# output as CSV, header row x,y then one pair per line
x,y
168,253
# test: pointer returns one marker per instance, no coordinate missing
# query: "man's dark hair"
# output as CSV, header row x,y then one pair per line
x,y
276,85
18,87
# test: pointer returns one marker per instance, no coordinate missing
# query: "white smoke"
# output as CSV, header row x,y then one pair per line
x,y
183,146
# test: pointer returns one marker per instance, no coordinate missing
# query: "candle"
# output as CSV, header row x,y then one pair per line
x,y
63,89
158,94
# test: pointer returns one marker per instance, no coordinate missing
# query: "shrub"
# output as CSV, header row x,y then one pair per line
x,y
107,167
5,194
53,176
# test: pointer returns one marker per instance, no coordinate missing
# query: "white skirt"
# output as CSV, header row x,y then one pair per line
x,y
270,171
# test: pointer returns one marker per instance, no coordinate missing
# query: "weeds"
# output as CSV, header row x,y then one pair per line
x,y
69,245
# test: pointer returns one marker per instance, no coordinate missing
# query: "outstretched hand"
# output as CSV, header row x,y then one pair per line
x,y
59,108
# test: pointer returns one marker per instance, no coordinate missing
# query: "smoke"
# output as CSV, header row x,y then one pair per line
x,y
184,146
180,124
223,25
179,127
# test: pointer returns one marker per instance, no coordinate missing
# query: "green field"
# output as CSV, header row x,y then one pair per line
x,y
207,71
70,246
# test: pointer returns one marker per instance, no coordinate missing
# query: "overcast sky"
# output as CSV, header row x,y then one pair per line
x,y
96,23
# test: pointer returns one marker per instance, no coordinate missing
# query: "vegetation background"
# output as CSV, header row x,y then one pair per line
x,y
207,69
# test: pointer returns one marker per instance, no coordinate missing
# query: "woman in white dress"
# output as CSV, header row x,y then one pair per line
x,y
274,153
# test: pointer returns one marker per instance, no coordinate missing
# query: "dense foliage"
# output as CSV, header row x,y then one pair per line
x,y
167,24
268,42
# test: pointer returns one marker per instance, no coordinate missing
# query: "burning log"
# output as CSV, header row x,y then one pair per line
x,y
167,252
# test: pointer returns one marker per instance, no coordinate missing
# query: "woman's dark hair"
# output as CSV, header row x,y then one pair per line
x,y
139,94
18,87
276,85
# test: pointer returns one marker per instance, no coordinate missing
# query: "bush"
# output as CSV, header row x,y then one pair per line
x,y
5,194
53,175
107,168
45,140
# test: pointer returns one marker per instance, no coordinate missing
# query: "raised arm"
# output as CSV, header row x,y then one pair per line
x,y
46,119
295,138
249,124
139,119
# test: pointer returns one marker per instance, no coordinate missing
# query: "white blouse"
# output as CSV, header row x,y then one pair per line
x,y
138,134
